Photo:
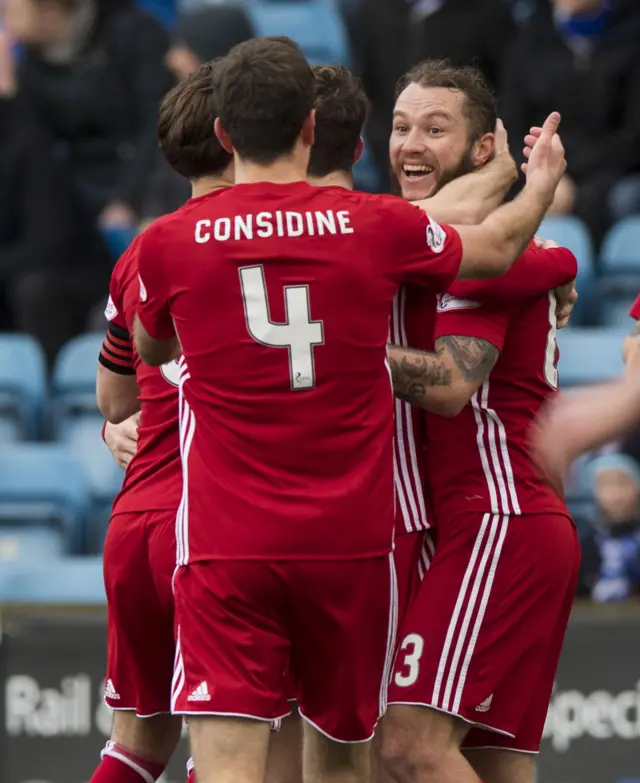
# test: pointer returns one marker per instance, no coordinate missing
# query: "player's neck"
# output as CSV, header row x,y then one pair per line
x,y
337,179
206,185
289,168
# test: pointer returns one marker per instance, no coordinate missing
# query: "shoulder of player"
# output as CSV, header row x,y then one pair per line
x,y
127,262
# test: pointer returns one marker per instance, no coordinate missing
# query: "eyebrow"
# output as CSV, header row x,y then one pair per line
x,y
437,113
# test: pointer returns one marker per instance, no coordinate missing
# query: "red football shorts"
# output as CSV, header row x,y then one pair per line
x,y
139,561
412,555
242,623
483,637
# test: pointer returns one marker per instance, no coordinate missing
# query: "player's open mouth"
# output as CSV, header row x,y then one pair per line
x,y
416,171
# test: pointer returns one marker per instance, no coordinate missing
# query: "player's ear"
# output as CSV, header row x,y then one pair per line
x,y
309,129
223,138
482,150
359,150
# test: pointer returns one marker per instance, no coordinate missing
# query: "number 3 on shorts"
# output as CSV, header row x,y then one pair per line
x,y
299,333
412,646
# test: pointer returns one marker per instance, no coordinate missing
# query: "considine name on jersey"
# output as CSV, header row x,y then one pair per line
x,y
267,224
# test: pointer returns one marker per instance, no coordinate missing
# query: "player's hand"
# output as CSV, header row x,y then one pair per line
x,y
544,244
122,439
546,160
501,151
566,298
545,156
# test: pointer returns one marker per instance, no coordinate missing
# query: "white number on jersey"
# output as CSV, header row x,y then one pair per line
x,y
298,334
414,644
171,372
551,351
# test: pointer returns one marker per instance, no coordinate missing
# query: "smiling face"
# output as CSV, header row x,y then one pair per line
x,y
430,141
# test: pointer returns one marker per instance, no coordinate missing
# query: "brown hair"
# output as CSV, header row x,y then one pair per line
x,y
480,104
341,109
185,126
264,94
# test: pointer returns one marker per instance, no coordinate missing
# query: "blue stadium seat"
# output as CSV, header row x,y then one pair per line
x,y
78,424
620,270
44,484
620,253
316,25
22,387
74,375
33,544
82,435
617,303
63,581
569,231
590,355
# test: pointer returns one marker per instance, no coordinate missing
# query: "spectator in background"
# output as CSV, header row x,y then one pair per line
x,y
42,242
611,554
582,58
94,71
200,36
390,36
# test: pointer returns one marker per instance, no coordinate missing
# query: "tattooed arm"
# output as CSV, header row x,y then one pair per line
x,y
442,382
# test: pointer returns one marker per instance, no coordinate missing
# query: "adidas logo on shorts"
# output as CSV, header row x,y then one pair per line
x,y
201,693
110,691
485,705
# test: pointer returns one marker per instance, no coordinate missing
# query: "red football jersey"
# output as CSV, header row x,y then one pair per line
x,y
481,461
413,323
635,309
280,295
153,480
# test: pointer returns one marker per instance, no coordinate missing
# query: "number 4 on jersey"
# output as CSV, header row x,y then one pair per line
x,y
298,334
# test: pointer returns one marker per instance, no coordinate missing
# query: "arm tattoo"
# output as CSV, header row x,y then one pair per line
x,y
413,372
474,358
635,330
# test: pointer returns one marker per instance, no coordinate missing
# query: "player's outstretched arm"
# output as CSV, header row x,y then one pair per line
x,y
631,349
492,247
152,351
442,382
585,421
469,199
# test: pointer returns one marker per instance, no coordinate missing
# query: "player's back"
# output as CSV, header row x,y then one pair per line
x,y
153,480
481,460
282,309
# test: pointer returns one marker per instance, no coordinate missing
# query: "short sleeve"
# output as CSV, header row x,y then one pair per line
x,y
537,271
116,353
471,319
420,250
635,309
153,305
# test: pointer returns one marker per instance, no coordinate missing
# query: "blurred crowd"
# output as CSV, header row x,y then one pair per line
x,y
80,173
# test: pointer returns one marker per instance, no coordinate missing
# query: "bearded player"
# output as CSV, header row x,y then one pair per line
x,y
480,644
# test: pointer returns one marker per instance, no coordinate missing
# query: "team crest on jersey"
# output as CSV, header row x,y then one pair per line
x,y
110,311
171,372
448,302
436,236
143,290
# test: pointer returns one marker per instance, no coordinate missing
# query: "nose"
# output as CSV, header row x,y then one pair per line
x,y
414,143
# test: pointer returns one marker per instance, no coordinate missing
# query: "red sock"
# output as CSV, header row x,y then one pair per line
x,y
191,773
120,765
